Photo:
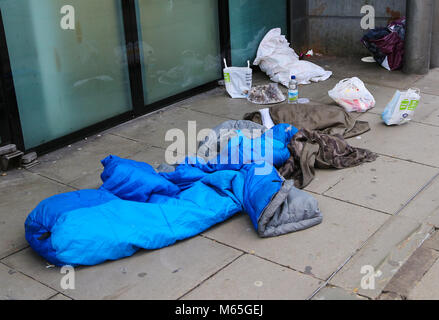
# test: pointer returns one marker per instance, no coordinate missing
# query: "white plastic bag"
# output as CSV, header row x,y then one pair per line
x,y
238,80
352,95
402,106
278,60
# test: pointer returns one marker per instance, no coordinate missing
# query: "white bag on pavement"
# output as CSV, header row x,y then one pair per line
x,y
238,80
402,106
352,95
279,61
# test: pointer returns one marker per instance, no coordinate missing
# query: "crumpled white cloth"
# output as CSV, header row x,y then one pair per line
x,y
279,61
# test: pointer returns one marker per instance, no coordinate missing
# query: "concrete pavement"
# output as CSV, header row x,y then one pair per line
x,y
378,214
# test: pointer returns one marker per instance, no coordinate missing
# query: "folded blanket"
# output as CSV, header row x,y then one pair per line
x,y
310,149
329,119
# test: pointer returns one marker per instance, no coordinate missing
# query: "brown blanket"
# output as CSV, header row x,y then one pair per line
x,y
310,149
329,119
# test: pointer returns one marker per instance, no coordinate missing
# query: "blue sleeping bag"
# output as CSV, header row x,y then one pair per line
x,y
137,207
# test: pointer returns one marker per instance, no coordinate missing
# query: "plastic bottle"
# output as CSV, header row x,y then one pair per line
x,y
293,91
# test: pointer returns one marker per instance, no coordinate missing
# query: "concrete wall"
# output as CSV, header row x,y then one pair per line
x,y
332,27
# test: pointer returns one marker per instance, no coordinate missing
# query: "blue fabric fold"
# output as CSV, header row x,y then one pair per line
x,y
139,208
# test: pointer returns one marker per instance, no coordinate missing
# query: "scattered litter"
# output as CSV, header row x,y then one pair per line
x,y
359,137
279,61
387,44
402,107
303,100
259,284
50,266
369,59
79,149
266,94
238,80
293,91
69,146
352,95
4,174
310,53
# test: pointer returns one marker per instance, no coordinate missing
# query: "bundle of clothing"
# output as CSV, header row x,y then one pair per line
x,y
320,141
387,44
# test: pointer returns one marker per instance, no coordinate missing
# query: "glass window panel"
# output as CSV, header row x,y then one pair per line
x,y
66,80
250,20
180,45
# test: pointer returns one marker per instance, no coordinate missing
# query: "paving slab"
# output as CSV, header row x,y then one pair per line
x,y
384,185
318,91
334,293
152,129
429,83
252,278
412,141
167,273
20,193
224,106
427,288
317,251
386,251
16,286
375,173
83,158
347,67
426,205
